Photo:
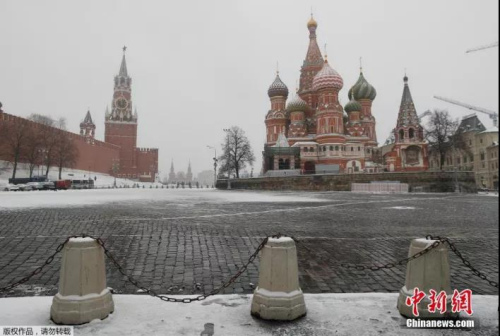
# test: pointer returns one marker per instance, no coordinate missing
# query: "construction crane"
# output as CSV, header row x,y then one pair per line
x,y
426,113
492,114
495,44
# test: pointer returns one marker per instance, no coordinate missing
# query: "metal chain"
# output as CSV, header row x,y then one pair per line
x,y
190,299
438,241
465,261
39,269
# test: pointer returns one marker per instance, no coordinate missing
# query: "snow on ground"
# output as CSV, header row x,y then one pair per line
x,y
327,314
102,180
490,193
401,208
65,198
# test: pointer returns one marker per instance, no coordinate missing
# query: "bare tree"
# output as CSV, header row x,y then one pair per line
x,y
48,139
14,137
65,151
237,152
33,152
442,135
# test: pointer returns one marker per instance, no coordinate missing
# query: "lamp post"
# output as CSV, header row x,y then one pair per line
x,y
215,164
228,159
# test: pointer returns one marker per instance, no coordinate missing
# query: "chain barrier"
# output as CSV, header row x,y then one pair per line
x,y
242,269
438,241
467,263
134,282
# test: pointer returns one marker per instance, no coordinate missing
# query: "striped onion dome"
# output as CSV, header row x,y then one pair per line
x,y
277,88
297,104
362,89
327,78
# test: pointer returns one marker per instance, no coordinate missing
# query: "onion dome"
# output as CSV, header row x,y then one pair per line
x,y
327,78
312,23
297,104
277,88
362,89
352,106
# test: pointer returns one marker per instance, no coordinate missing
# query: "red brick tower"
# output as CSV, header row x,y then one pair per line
x,y
121,123
311,66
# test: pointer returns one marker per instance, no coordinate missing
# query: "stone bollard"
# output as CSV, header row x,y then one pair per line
x,y
278,295
83,295
430,271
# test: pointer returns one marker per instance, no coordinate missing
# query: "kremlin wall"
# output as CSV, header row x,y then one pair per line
x,y
118,154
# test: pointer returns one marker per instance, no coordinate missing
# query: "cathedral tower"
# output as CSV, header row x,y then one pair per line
x,y
409,152
310,67
364,93
330,114
276,118
121,123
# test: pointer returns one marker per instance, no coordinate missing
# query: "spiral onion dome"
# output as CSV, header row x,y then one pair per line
x,y
277,88
327,78
297,104
352,106
362,89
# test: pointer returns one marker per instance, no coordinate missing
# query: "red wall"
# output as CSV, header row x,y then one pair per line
x,y
93,155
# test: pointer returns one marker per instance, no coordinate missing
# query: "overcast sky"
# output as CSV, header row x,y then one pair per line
x,y
200,66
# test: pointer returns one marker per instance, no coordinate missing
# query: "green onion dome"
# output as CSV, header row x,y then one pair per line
x,y
297,104
352,106
362,89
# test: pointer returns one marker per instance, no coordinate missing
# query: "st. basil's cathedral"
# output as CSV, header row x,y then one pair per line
x,y
313,133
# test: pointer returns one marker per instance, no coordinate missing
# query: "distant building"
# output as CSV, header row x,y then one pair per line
x,y
180,176
478,152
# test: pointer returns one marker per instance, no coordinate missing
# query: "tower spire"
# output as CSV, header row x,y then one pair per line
x,y
123,66
313,61
407,112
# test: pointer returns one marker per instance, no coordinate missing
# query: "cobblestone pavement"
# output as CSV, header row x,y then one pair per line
x,y
172,247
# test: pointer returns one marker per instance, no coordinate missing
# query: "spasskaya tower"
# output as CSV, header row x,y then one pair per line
x,y
121,130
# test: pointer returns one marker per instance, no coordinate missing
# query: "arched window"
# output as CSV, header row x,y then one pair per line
x,y
305,149
401,134
411,133
331,148
311,149
336,148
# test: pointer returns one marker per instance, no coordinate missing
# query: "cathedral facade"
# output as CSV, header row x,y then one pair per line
x,y
314,133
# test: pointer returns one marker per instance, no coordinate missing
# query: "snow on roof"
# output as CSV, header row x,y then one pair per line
x,y
304,143
491,130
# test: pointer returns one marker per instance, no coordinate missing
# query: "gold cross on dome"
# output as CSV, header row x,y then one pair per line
x,y
124,48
